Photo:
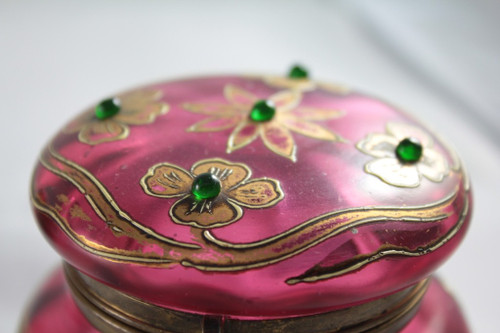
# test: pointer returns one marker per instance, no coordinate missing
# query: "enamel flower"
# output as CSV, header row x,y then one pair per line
x,y
110,119
403,155
271,119
304,84
213,193
298,79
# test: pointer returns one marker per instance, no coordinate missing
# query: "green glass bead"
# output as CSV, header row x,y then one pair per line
x,y
409,150
298,72
205,186
107,108
263,110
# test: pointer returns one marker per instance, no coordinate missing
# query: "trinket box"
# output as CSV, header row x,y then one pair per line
x,y
248,204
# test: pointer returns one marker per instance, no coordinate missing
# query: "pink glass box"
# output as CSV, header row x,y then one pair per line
x,y
248,204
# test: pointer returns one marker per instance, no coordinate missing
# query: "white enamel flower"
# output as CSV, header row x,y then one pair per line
x,y
391,169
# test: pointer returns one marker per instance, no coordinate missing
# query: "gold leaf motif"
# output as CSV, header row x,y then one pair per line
x,y
103,131
310,129
279,140
214,124
168,181
137,108
243,134
275,133
315,114
286,100
207,252
304,85
238,96
301,84
209,108
205,213
257,193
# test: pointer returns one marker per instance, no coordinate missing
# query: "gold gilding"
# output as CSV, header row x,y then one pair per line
x,y
166,180
275,133
240,256
137,108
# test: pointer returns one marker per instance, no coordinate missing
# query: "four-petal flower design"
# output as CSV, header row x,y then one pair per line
x,y
275,133
237,190
388,167
136,108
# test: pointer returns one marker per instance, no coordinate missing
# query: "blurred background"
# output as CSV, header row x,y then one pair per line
x,y
437,59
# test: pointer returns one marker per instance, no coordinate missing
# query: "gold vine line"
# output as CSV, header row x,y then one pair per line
x,y
96,188
87,245
428,213
384,251
239,256
341,213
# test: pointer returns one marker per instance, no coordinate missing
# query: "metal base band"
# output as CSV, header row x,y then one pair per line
x,y
110,310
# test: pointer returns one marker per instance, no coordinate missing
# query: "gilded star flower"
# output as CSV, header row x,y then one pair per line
x,y
229,188
274,129
136,108
403,155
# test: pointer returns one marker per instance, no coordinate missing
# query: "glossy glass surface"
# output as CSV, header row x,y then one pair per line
x,y
316,212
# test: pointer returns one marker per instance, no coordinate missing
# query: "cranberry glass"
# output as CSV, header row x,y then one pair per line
x,y
242,199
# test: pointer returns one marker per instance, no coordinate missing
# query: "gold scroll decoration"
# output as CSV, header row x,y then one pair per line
x,y
245,256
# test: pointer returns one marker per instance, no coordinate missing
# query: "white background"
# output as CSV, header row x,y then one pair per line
x,y
437,59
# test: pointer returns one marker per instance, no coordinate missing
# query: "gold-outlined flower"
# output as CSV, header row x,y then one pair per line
x,y
136,108
304,84
167,180
388,167
275,133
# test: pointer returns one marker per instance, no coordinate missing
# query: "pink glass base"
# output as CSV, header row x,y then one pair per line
x,y
53,310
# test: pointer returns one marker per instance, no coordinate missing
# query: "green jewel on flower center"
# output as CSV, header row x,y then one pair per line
x,y
298,72
262,110
107,108
205,186
409,150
